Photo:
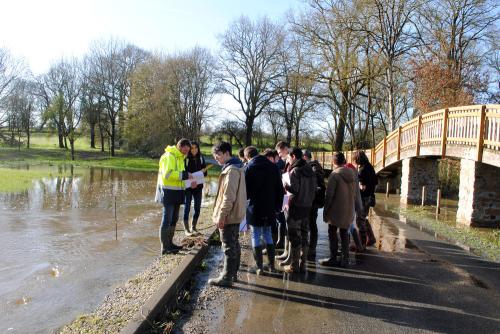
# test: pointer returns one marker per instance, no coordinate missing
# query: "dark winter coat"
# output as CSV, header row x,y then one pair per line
x,y
319,197
193,165
264,191
368,178
302,189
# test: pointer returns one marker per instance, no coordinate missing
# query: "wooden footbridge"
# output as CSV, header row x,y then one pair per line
x,y
469,133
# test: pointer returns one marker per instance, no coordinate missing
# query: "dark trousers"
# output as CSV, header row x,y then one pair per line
x,y
170,215
196,195
334,241
313,229
232,250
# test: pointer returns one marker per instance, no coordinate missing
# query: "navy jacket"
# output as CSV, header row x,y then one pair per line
x,y
264,191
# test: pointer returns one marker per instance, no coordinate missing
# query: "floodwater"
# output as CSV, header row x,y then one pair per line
x,y
60,256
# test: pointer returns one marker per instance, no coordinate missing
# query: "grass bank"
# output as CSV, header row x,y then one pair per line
x,y
481,241
18,180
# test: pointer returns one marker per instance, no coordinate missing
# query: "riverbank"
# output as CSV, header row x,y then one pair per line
x,y
480,241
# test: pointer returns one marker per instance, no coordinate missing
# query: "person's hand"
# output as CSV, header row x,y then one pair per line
x,y
193,184
221,223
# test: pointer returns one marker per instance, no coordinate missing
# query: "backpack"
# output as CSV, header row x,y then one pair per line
x,y
319,197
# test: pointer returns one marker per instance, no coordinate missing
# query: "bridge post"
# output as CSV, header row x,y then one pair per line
x,y
415,174
444,133
480,133
419,127
479,194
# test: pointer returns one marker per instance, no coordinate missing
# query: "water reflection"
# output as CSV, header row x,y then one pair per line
x,y
59,256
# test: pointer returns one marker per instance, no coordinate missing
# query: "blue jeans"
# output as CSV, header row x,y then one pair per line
x,y
261,231
170,215
192,194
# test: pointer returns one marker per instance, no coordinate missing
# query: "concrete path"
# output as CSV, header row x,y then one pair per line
x,y
409,283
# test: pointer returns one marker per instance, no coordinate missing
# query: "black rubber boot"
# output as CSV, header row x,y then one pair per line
x,y
186,228
171,233
257,255
194,231
357,241
344,262
371,237
271,254
224,279
362,236
237,265
334,249
166,242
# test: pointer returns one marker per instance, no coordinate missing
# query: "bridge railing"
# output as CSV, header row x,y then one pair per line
x,y
475,127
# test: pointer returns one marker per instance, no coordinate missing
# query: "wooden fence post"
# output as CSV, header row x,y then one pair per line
x,y
385,151
444,133
423,195
480,139
419,127
438,204
399,143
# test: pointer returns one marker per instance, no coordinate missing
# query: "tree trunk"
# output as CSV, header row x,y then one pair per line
x,y
72,145
391,102
60,135
112,139
297,136
288,134
92,135
340,131
28,134
65,143
249,131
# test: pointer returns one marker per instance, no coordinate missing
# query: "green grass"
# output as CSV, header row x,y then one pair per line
x,y
19,180
485,242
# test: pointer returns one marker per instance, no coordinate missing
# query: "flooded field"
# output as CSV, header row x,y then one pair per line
x,y
60,255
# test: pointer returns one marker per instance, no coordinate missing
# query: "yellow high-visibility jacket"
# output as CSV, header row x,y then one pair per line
x,y
171,174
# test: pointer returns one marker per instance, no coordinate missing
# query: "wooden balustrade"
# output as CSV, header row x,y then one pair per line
x,y
476,127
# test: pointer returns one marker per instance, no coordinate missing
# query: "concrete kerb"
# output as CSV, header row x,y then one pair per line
x,y
167,293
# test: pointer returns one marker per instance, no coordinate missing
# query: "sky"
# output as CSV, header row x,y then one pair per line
x,y
43,31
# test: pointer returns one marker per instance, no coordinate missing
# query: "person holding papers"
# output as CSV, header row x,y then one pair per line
x,y
171,185
196,165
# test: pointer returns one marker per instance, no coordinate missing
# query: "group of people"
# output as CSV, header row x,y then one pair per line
x,y
278,193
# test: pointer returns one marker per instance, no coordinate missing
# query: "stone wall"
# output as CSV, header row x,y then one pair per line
x,y
479,194
416,173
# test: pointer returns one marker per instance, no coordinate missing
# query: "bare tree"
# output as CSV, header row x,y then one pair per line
x,y
10,70
249,64
327,27
390,26
295,87
111,64
192,84
65,79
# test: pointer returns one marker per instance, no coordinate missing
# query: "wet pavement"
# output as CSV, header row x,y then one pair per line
x,y
409,282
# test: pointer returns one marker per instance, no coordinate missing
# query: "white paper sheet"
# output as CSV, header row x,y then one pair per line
x,y
198,177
